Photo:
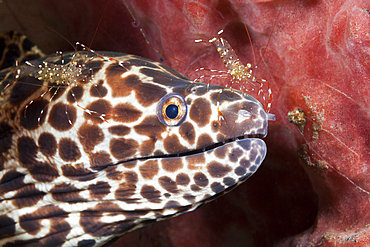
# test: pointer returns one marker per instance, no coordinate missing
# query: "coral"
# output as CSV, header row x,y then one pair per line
x,y
313,187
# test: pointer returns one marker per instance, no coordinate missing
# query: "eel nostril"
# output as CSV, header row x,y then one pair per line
x,y
270,116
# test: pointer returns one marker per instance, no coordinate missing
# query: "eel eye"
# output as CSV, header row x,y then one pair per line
x,y
171,109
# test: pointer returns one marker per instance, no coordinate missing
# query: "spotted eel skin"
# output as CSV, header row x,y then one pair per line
x,y
84,162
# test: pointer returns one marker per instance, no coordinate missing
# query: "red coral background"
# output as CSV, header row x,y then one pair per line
x,y
313,187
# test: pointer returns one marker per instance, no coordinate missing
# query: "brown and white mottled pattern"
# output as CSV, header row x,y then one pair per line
x,y
16,47
87,162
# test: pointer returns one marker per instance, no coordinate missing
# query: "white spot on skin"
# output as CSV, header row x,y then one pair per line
x,y
243,115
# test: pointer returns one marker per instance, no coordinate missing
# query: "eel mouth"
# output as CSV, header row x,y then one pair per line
x,y
213,146
208,148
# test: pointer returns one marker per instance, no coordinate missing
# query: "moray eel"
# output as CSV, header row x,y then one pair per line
x,y
92,149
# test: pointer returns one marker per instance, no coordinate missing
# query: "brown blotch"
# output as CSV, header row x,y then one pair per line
x,y
200,179
61,115
200,112
172,145
158,153
126,113
204,140
99,160
183,91
66,193
7,226
168,184
91,222
27,151
31,222
217,187
187,132
147,147
98,109
68,150
44,172
158,215
130,164
147,93
150,193
182,179
121,87
228,181
133,215
75,94
6,137
172,164
11,180
122,148
218,170
119,130
78,172
90,136
98,90
189,198
124,192
22,91
108,206
245,145
47,144
253,168
221,152
196,161
172,204
99,190
150,127
86,243
205,197
30,117
131,177
215,126
202,90
94,66
252,155
240,170
220,137
246,163
149,169
27,196
194,187
60,227
113,174
235,154
56,91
